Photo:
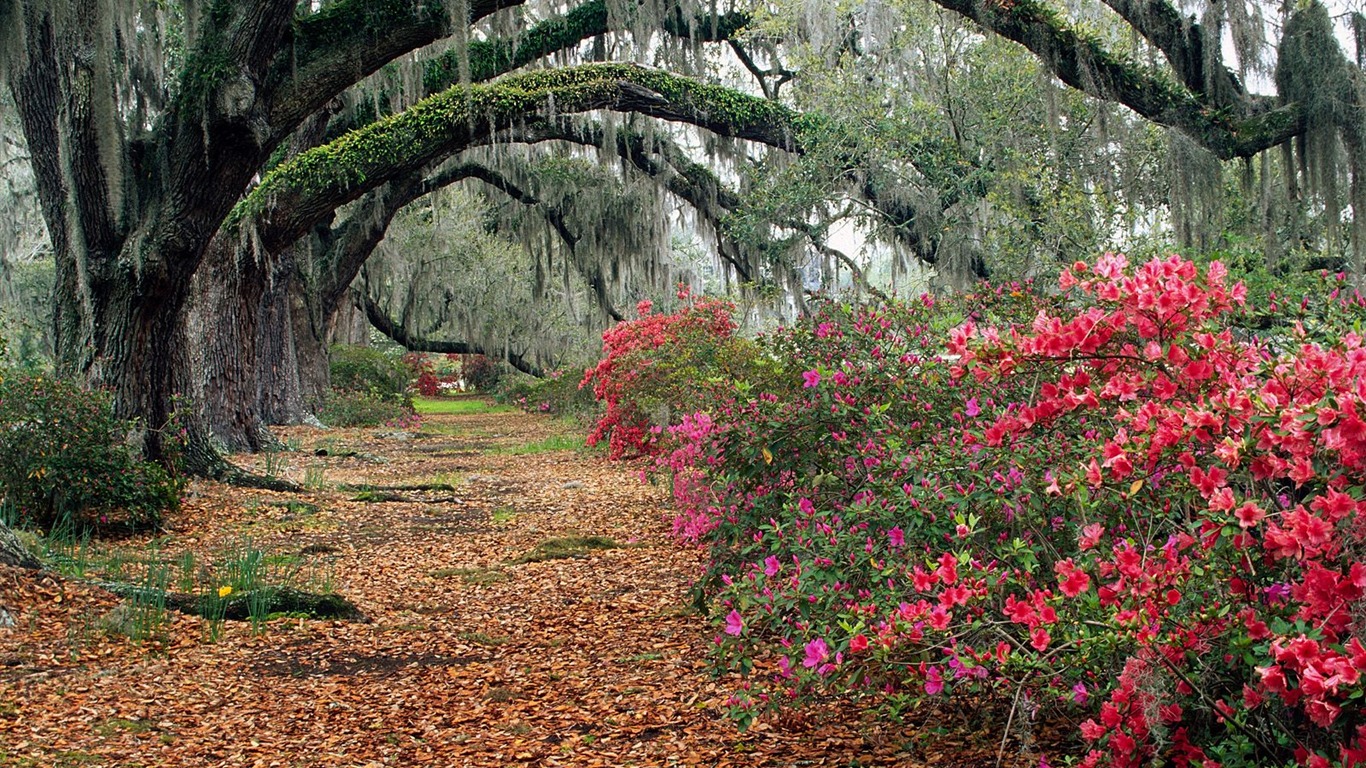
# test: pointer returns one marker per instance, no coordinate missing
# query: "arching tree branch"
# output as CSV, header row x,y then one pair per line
x,y
400,335
1086,65
304,190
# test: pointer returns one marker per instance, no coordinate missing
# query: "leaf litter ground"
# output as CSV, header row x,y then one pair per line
x,y
526,607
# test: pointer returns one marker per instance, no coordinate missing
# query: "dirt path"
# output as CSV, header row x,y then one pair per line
x,y
477,653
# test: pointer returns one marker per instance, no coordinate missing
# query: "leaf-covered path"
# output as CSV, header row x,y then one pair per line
x,y
484,647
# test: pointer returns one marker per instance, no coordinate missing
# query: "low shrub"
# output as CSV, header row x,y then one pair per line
x,y
659,367
481,373
64,462
371,371
362,409
558,394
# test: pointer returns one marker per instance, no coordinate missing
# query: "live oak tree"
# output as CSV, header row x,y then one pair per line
x,y
189,158
147,124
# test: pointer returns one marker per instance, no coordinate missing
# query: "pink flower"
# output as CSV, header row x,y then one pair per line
x,y
1079,694
1249,514
897,537
735,624
812,379
858,644
771,566
973,409
934,681
816,654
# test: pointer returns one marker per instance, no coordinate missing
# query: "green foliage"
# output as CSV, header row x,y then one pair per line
x,y
371,371
63,460
558,393
360,409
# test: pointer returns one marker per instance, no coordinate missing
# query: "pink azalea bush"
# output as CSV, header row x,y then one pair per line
x,y
658,365
1115,505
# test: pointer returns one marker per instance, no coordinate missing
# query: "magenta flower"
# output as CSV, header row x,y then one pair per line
x,y
812,378
934,681
897,537
973,408
1079,693
735,624
771,566
816,654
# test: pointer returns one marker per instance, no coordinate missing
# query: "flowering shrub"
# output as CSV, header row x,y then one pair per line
x,y
425,380
659,366
482,373
1107,504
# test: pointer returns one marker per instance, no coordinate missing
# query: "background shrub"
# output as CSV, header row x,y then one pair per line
x,y
361,409
64,461
558,393
371,371
481,373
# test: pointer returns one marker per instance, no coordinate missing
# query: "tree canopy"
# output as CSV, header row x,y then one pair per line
x,y
210,174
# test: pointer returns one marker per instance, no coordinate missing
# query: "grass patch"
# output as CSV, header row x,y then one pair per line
x,y
566,547
503,515
462,406
552,443
116,725
482,638
481,577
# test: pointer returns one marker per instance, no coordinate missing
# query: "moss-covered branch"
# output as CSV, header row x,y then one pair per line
x,y
1182,41
1085,64
304,190
399,334
345,41
487,59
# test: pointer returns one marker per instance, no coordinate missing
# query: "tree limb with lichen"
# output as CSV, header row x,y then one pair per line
x,y
304,190
1085,64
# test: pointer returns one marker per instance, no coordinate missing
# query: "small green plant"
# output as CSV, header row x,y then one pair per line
x,y
274,463
315,477
186,566
503,515
145,614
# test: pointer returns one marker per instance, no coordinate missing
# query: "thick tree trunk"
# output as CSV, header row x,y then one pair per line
x,y
223,324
